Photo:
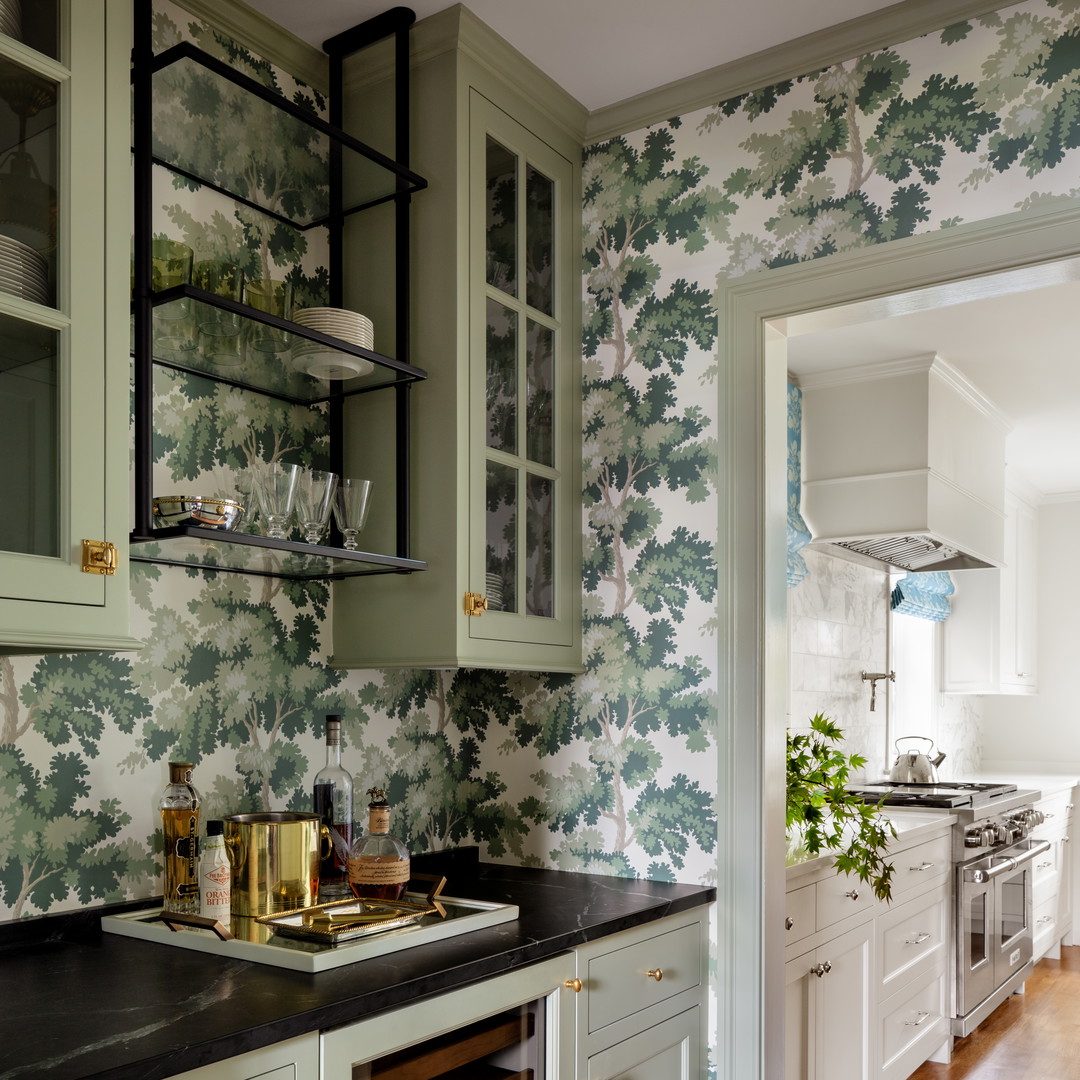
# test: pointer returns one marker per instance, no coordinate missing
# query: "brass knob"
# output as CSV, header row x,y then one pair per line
x,y
657,974
789,922
573,984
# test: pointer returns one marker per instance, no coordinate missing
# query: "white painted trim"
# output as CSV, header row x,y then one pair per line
x,y
752,651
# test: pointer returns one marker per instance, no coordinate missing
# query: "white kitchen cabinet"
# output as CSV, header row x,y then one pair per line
x,y
294,1059
989,640
829,1008
1052,879
867,981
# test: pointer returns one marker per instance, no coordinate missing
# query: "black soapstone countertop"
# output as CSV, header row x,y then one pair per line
x,y
80,1003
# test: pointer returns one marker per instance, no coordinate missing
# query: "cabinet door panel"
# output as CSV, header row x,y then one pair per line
x,y
670,1050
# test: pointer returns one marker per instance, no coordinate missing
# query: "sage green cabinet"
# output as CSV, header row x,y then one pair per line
x,y
495,477
64,228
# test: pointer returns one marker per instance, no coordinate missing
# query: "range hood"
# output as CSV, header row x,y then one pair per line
x,y
904,463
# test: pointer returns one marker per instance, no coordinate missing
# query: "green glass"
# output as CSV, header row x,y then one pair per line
x,y
539,546
539,240
502,383
501,537
501,228
29,438
540,391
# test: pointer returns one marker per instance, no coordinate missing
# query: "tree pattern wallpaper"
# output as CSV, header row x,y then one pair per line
x,y
612,771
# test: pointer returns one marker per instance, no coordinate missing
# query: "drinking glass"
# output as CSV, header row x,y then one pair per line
x,y
351,509
277,484
314,497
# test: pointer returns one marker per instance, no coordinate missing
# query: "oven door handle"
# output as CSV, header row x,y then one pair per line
x,y
1008,864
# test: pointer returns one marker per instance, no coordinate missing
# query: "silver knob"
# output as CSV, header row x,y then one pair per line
x,y
789,922
821,969
853,895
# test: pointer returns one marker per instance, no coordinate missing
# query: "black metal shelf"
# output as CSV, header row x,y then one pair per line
x,y
281,371
373,177
245,553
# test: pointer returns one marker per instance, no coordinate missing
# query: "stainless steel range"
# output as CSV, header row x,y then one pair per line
x,y
992,855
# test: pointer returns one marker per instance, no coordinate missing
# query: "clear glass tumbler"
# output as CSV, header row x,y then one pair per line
x,y
314,498
351,509
277,484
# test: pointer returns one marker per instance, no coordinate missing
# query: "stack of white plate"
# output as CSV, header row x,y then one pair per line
x,y
325,363
23,271
11,18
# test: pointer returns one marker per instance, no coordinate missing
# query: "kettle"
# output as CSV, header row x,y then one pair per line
x,y
915,768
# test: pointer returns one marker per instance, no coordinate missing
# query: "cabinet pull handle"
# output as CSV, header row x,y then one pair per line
x,y
1043,865
923,1016
1068,806
656,973
919,938
1046,918
1064,839
853,895
789,922
573,984
821,969
920,869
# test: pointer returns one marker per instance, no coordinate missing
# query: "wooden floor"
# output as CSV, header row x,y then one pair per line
x,y
1032,1036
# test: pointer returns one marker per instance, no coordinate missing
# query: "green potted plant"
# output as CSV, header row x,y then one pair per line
x,y
822,815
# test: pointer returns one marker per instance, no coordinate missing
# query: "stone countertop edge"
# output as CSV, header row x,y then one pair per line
x,y
911,826
86,1005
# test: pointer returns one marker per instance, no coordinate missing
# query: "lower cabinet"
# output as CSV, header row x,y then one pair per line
x,y
1052,880
867,982
294,1059
671,1050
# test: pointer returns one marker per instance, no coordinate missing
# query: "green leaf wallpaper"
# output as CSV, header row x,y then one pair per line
x,y
612,771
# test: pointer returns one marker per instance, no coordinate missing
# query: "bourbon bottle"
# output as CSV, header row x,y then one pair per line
x,y
179,807
379,861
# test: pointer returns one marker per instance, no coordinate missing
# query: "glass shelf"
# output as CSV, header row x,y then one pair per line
x,y
263,150
213,336
244,553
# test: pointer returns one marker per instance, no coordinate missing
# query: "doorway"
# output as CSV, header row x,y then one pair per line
x,y
1002,256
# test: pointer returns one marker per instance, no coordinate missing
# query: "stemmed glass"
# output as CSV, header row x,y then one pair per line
x,y
277,484
351,509
314,497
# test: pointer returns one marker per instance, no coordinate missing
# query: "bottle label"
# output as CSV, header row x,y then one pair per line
x,y
376,870
379,819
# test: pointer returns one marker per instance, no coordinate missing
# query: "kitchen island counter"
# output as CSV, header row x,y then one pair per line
x,y
85,1004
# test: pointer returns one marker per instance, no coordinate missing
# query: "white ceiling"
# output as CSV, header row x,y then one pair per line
x,y
1019,349
603,51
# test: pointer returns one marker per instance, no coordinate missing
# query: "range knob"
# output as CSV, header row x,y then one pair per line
x,y
974,836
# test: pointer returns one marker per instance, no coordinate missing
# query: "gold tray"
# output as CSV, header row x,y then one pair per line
x,y
331,924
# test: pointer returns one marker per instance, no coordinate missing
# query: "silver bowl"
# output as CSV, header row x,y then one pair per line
x,y
207,512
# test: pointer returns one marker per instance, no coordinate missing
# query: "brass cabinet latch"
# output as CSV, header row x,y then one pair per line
x,y
99,557
475,604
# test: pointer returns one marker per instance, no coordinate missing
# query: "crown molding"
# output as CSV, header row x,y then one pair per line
x,y
889,26
264,37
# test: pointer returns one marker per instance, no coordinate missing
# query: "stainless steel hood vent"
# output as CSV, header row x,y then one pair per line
x,y
915,554
904,463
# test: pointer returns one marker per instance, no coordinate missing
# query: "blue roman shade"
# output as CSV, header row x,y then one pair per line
x,y
798,535
925,596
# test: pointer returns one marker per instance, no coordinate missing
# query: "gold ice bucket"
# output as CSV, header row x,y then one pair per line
x,y
275,860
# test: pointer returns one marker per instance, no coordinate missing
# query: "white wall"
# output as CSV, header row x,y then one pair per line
x,y
1042,730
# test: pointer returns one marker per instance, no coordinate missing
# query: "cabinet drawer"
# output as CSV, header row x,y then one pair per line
x,y
1044,924
1057,811
840,896
619,986
800,920
912,1026
912,937
914,868
1045,870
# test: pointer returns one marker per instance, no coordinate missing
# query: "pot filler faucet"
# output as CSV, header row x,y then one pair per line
x,y
872,677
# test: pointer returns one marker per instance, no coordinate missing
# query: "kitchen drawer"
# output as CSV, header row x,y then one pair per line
x,y
1058,810
912,939
841,896
913,1025
1044,925
800,920
916,867
1046,871
619,984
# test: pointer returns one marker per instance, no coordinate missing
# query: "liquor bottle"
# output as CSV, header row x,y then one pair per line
x,y
215,876
379,861
332,798
179,807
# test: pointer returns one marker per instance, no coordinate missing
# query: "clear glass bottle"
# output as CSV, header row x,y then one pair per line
x,y
179,807
215,876
379,861
332,800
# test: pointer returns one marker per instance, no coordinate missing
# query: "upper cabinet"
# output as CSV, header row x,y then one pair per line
x,y
64,224
989,641
496,486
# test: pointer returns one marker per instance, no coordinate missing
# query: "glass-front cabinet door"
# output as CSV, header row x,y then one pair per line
x,y
64,225
522,480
